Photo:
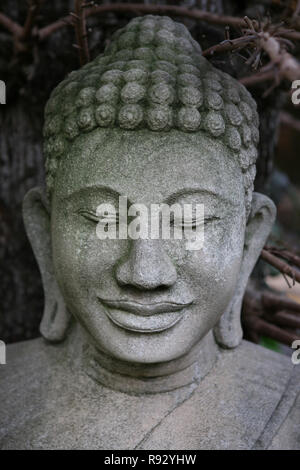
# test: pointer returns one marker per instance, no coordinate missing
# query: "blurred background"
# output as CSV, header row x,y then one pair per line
x,y
41,42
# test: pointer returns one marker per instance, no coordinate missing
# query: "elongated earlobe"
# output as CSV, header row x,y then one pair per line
x,y
229,332
36,217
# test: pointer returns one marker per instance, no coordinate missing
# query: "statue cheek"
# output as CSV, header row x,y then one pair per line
x,y
82,261
211,276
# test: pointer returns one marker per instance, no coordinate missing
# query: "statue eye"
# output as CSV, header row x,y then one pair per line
x,y
194,222
92,216
89,215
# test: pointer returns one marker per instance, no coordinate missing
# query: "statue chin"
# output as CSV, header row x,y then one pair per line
x,y
141,343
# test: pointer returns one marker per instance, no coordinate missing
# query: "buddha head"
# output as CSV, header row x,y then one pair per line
x,y
151,120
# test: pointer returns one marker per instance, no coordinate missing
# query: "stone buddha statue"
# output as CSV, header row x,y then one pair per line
x,y
141,343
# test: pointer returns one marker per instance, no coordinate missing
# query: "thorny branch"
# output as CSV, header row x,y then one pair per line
x,y
193,13
269,39
81,33
267,42
229,45
138,8
272,39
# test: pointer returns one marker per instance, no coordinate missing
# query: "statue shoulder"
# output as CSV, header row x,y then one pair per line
x,y
28,357
240,404
274,382
23,379
283,430
288,435
22,358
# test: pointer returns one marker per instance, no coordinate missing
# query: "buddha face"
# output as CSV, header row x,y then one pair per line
x,y
147,301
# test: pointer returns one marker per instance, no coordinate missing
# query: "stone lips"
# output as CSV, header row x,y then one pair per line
x,y
153,76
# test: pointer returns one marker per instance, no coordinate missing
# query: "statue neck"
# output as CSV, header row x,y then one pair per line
x,y
134,378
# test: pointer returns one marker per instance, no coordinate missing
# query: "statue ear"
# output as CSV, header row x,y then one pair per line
x,y
228,331
36,216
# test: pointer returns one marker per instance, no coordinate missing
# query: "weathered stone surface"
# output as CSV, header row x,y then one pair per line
x,y
287,437
48,404
159,86
147,325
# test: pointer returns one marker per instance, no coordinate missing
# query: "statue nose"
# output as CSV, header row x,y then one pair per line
x,y
147,267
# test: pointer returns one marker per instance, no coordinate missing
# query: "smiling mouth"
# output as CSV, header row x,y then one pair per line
x,y
144,318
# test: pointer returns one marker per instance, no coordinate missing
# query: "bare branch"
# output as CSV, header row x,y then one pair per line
x,y
10,25
80,31
270,314
297,9
283,253
272,301
149,9
292,35
267,329
257,78
229,45
196,14
280,265
290,121
288,66
283,63
284,318
33,9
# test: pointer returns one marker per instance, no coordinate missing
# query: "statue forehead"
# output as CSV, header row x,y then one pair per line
x,y
144,164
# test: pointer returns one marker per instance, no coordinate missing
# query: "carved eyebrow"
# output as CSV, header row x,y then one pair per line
x,y
86,191
188,191
108,191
